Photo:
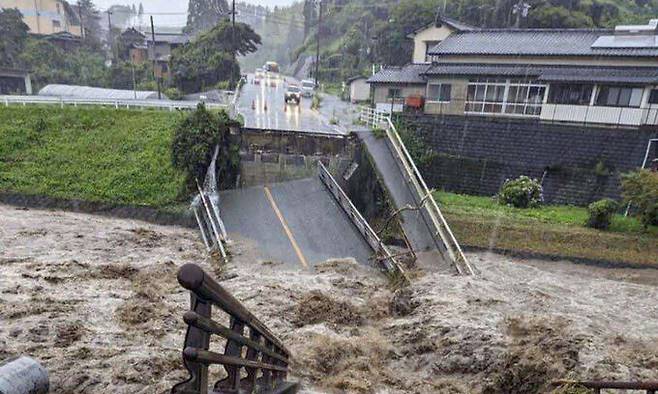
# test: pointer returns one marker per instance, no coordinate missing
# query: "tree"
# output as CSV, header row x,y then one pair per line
x,y
202,15
194,144
13,36
208,60
50,64
91,24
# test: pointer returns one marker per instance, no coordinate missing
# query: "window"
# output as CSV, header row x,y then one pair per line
x,y
429,45
394,93
509,96
439,92
572,94
653,96
615,96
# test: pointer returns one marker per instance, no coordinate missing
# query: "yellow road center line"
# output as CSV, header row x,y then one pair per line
x,y
286,229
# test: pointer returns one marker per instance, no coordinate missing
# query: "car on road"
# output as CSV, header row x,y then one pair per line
x,y
293,94
272,67
308,88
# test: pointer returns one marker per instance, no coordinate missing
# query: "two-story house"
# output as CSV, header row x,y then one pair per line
x,y
593,76
46,17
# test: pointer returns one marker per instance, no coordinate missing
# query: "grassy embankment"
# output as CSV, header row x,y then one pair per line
x,y
94,154
550,230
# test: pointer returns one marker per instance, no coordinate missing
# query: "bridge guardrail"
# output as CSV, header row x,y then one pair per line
x,y
425,200
389,261
440,230
266,360
128,104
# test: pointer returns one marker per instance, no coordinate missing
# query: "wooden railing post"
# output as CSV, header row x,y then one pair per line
x,y
197,356
196,338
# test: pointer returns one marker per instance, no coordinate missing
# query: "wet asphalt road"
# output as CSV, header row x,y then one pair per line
x,y
263,107
297,223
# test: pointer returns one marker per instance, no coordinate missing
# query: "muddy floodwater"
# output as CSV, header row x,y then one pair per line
x,y
95,300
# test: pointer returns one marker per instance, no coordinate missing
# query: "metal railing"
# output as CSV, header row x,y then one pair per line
x,y
598,385
384,256
118,104
206,212
371,117
441,232
263,357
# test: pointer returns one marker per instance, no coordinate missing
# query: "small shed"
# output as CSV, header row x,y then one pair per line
x,y
359,88
14,81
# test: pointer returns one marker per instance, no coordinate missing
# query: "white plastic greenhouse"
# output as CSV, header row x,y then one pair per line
x,y
88,92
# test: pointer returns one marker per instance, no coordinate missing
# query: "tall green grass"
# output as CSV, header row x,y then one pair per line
x,y
93,154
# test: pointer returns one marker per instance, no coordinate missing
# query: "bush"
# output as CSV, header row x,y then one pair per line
x,y
316,101
601,212
173,94
194,143
640,188
522,192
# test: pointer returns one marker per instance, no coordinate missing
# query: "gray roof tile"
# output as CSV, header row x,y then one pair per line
x,y
411,73
532,42
642,75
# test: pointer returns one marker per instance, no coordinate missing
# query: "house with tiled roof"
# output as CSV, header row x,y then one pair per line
x,y
392,84
590,76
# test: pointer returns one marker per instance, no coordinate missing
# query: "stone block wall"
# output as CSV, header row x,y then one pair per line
x,y
578,164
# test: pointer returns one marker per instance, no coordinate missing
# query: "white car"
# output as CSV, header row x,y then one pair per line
x,y
308,88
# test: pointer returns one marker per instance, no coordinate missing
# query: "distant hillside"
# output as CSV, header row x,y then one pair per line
x,y
281,31
359,33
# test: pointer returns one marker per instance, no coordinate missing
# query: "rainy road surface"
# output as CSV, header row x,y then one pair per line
x,y
263,107
298,223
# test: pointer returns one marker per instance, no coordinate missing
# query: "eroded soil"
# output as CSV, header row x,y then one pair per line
x,y
96,301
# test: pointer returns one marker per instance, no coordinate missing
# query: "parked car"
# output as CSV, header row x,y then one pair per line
x,y
308,88
293,93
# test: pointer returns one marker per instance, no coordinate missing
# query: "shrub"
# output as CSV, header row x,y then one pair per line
x,y
601,212
316,101
522,192
640,188
173,94
194,144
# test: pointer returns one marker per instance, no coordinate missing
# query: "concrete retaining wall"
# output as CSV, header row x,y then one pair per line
x,y
477,154
278,156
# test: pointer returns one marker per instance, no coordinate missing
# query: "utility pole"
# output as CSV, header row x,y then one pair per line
x,y
82,26
157,78
233,46
317,50
109,34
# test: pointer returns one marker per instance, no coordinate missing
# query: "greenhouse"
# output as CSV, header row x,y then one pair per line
x,y
88,92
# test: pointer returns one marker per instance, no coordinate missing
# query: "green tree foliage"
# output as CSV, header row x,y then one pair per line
x,y
13,36
209,60
601,213
358,33
203,15
640,188
91,21
194,144
50,64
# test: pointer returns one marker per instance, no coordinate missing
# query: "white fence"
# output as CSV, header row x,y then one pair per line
x,y
438,226
118,104
372,117
599,115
